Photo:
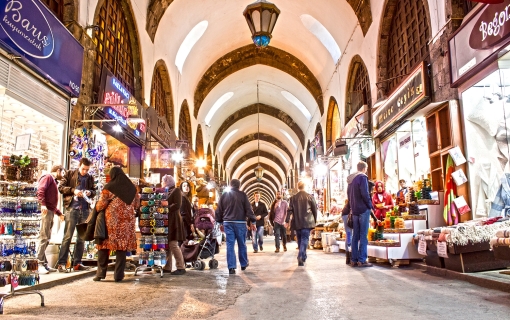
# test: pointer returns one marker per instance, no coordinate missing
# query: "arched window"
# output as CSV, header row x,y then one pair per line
x,y
199,144
56,6
358,88
113,45
158,97
185,123
407,43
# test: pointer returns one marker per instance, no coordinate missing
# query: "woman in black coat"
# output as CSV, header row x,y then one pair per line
x,y
175,226
186,210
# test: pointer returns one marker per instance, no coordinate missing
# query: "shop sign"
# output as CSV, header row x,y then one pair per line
x,y
29,29
158,126
412,91
357,125
405,141
488,32
116,94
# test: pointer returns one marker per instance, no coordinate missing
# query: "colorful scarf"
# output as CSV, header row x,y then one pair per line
x,y
449,213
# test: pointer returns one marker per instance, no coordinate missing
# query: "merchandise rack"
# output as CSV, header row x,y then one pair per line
x,y
152,216
17,218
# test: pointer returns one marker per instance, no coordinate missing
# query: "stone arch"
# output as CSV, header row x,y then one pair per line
x,y
209,157
135,48
383,45
308,158
216,164
253,184
161,75
363,12
332,123
358,88
199,144
254,109
301,163
254,154
319,137
256,136
155,11
252,175
295,176
185,123
248,56
266,167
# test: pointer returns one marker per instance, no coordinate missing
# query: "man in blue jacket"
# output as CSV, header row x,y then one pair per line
x,y
361,207
233,210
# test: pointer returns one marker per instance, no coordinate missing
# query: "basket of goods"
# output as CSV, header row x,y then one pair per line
x,y
11,173
6,161
26,174
34,162
3,188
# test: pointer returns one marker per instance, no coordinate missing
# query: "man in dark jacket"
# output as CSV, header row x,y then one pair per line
x,y
303,210
260,211
233,210
77,186
47,195
361,207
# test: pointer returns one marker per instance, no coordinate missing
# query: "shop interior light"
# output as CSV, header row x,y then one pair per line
x,y
117,128
8,111
29,131
20,117
31,122
227,189
155,151
303,173
177,156
201,163
209,186
135,119
321,169
43,127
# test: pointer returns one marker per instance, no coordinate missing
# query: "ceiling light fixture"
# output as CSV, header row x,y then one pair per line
x,y
259,171
117,128
261,17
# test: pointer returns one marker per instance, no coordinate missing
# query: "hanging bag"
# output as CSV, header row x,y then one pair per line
x,y
350,223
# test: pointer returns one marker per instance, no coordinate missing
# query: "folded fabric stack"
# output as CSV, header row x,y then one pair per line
x,y
502,238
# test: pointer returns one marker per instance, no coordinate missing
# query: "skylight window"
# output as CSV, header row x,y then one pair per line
x,y
283,157
233,157
228,137
191,39
217,105
321,33
288,137
295,101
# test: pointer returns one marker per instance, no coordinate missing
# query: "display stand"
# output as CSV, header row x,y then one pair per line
x,y
20,220
153,225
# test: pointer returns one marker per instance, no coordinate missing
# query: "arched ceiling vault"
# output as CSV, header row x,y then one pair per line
x,y
265,177
252,186
252,110
248,56
238,150
263,156
266,167
266,181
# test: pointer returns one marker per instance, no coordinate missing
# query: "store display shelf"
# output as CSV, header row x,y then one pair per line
x,y
384,244
415,217
501,252
428,202
406,230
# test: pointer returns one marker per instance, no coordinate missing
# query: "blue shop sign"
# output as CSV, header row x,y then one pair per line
x,y
29,29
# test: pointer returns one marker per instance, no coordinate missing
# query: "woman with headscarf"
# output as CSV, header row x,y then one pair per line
x,y
186,210
120,201
381,200
176,231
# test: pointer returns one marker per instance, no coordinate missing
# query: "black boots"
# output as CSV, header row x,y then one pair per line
x,y
347,257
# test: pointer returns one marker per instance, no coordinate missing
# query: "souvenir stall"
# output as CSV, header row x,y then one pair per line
x,y
480,69
467,246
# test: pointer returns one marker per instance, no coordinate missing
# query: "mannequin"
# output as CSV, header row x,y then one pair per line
x,y
382,201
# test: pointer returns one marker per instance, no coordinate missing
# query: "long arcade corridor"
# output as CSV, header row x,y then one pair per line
x,y
273,287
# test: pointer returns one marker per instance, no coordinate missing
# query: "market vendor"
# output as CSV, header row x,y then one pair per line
x,y
382,200
401,194
334,209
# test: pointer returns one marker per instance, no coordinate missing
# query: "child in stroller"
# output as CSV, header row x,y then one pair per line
x,y
195,250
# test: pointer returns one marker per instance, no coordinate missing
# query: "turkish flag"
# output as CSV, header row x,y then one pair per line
x,y
489,1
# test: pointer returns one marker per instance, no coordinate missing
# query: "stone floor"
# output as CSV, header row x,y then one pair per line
x,y
273,287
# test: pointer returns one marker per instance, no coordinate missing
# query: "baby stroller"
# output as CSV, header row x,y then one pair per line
x,y
194,252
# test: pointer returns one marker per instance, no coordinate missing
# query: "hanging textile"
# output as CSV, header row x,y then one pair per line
x,y
450,214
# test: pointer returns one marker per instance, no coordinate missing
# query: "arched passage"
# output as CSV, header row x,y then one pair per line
x,y
161,93
185,123
332,123
199,144
358,88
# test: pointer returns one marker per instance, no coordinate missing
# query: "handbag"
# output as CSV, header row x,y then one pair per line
x,y
350,223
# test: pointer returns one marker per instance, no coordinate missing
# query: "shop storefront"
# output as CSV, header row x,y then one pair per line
x,y
38,77
480,68
160,139
120,127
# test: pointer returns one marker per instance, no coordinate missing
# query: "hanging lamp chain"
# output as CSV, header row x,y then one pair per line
x,y
258,125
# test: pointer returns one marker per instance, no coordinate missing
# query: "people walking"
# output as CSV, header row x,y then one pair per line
x,y
277,218
348,231
361,207
77,187
303,209
186,210
120,201
233,210
260,211
176,231
47,195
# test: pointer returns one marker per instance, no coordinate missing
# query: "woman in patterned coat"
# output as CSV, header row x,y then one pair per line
x,y
120,200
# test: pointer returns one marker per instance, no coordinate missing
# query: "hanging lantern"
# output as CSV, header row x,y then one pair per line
x,y
261,17
259,172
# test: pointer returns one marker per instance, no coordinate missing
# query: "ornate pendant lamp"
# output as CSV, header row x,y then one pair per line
x,y
259,171
261,17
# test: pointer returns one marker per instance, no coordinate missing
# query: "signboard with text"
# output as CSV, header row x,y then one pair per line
x,y
409,94
123,106
479,41
30,30
158,127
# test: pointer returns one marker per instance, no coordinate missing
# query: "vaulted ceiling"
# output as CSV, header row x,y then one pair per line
x,y
254,105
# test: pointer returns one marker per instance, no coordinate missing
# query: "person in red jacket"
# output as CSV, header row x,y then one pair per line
x,y
382,201
47,195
